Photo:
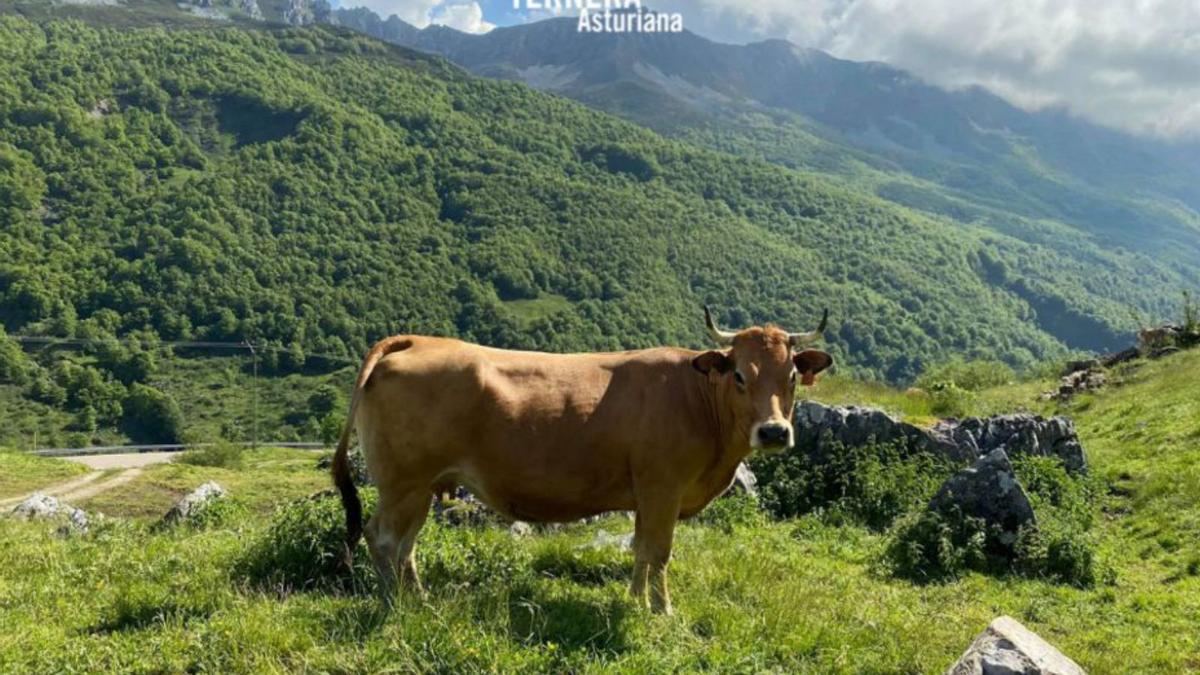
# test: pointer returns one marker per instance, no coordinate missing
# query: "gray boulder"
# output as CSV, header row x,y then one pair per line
x,y
604,539
1008,648
818,426
988,489
193,502
744,480
1022,434
41,506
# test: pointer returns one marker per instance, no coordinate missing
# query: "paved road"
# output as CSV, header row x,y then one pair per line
x,y
123,461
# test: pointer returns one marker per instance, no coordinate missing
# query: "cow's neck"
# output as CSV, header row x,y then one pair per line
x,y
731,440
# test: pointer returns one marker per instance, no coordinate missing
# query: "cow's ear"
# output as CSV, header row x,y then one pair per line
x,y
714,360
810,362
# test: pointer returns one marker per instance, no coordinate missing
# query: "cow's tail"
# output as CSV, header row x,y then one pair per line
x,y
342,475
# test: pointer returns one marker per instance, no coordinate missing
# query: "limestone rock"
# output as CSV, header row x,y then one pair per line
x,y
988,489
39,505
193,502
745,481
817,426
42,506
1020,434
604,539
1008,648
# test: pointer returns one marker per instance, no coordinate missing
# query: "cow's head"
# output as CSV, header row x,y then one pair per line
x,y
756,377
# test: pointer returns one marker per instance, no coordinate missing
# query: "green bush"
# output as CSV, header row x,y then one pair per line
x,y
152,416
735,510
947,399
303,548
928,546
973,375
872,484
221,454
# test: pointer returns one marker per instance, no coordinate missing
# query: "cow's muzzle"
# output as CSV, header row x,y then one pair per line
x,y
772,436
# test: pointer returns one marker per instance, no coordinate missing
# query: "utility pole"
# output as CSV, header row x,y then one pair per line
x,y
254,397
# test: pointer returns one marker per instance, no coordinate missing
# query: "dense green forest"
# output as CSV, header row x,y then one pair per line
x,y
312,190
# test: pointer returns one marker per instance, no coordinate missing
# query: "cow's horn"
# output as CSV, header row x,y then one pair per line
x,y
798,339
721,337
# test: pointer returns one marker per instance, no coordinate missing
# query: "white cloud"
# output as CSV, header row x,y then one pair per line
x,y
465,16
416,12
1130,64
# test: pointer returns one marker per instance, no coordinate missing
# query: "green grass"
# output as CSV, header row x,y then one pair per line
x,y
266,477
794,596
21,473
536,308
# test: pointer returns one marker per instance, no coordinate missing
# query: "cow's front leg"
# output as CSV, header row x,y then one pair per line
x,y
653,533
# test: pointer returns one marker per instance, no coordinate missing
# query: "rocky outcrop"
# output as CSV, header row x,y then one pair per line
x,y
819,428
988,490
1085,379
745,481
1008,648
39,506
1019,435
298,13
251,8
194,502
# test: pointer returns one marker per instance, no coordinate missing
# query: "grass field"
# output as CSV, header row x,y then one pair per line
x,y
21,473
806,595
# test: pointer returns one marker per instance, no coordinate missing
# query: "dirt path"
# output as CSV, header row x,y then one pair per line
x,y
89,491
55,490
86,487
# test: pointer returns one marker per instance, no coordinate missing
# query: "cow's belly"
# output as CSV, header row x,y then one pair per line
x,y
544,499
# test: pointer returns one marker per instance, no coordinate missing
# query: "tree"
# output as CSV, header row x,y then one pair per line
x,y
152,416
14,366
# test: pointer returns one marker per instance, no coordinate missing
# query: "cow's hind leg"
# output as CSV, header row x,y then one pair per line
x,y
392,534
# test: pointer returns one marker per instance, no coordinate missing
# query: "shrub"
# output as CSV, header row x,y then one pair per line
x,y
872,484
732,511
152,415
947,399
968,375
928,546
303,548
222,454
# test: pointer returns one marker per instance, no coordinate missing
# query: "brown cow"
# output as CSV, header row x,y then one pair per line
x,y
558,437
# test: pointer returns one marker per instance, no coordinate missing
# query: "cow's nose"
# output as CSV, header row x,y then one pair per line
x,y
773,434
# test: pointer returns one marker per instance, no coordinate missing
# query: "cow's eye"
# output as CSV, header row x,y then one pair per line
x,y
739,379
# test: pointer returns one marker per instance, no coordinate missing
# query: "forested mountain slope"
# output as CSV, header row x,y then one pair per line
x,y
314,190
969,155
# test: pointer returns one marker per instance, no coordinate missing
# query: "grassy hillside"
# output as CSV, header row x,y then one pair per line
x,y
21,473
806,595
